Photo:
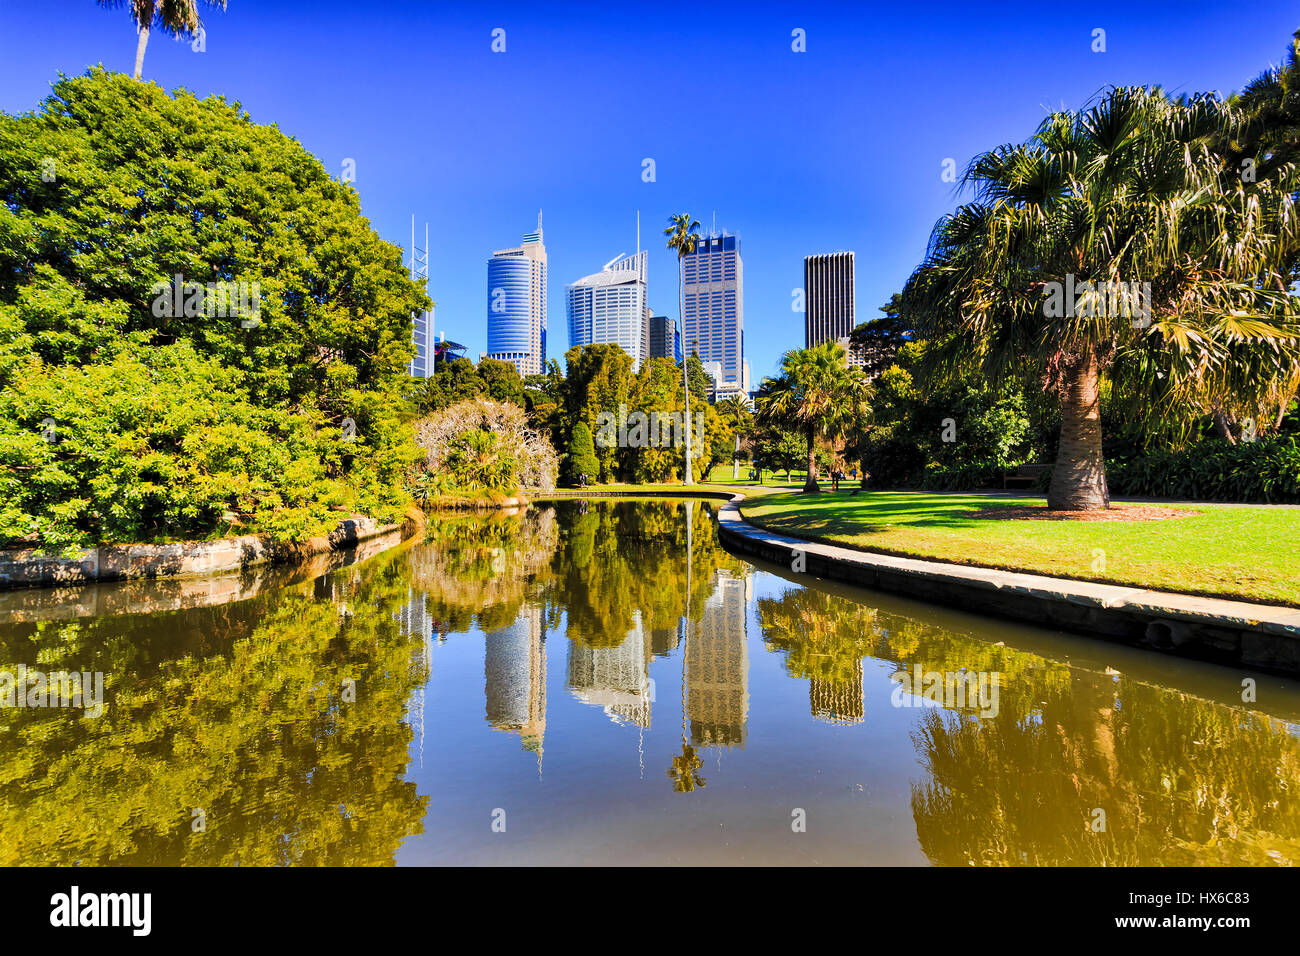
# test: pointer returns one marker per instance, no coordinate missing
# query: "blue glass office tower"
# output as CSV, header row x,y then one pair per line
x,y
516,304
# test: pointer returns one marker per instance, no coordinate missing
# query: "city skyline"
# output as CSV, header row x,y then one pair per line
x,y
797,177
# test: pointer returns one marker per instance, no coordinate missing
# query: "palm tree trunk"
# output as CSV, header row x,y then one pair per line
x,y
1079,478
810,483
686,382
139,50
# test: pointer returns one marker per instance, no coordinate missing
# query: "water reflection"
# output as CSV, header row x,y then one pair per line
x,y
314,723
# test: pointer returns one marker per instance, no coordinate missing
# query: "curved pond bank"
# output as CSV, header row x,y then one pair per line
x,y
1236,633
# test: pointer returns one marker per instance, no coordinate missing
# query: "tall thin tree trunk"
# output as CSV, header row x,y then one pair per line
x,y
686,381
139,50
810,483
1079,478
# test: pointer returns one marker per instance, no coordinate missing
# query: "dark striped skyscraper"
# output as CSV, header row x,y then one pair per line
x,y
828,300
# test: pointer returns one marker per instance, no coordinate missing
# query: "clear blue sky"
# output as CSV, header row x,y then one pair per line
x,y
840,147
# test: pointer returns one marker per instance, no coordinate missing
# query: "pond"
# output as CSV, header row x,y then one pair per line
x,y
600,682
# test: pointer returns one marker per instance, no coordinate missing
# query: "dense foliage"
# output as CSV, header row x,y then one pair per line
x,y
482,445
126,418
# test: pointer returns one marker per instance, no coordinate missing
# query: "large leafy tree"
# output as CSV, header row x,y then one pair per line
x,y
108,193
1127,190
818,395
178,18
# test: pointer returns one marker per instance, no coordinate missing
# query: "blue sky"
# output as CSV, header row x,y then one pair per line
x,y
839,147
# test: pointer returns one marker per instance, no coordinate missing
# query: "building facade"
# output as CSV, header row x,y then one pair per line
x,y
713,320
828,301
422,366
516,305
609,306
665,339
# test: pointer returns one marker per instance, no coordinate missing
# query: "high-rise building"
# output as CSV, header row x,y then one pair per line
x,y
717,667
422,337
616,679
713,321
516,309
609,306
665,339
515,670
828,301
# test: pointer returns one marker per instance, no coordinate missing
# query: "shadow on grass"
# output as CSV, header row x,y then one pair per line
x,y
871,512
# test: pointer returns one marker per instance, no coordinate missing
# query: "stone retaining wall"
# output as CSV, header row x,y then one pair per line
x,y
1235,633
30,568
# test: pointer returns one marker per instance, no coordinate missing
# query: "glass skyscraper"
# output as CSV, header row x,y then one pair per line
x,y
713,322
610,306
516,305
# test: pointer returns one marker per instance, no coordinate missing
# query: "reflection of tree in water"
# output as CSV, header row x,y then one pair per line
x,y
238,711
824,639
1182,780
627,556
481,568
685,770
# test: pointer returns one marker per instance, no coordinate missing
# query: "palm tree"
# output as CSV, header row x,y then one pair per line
x,y
1130,191
179,18
736,413
817,394
682,236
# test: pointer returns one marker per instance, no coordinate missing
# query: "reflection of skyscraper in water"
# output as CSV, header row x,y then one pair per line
x,y
717,667
515,666
413,621
615,678
839,702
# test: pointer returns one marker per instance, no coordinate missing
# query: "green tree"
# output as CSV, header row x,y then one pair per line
x,y
272,416
817,394
599,380
1127,190
581,457
501,381
880,339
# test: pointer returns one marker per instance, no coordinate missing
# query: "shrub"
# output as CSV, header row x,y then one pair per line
x,y
581,457
483,446
1266,470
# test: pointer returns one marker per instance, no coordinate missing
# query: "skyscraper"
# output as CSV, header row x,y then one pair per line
x,y
609,306
828,301
422,336
665,340
516,311
717,667
713,321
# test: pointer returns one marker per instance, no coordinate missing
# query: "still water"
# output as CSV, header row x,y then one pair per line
x,y
601,682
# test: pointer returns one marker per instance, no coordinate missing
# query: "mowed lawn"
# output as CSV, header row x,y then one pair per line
x,y
1243,552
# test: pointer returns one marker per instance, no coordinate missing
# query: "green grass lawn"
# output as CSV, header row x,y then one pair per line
x,y
1247,553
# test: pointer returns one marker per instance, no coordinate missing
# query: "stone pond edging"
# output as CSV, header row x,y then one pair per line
x,y
29,568
1235,633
